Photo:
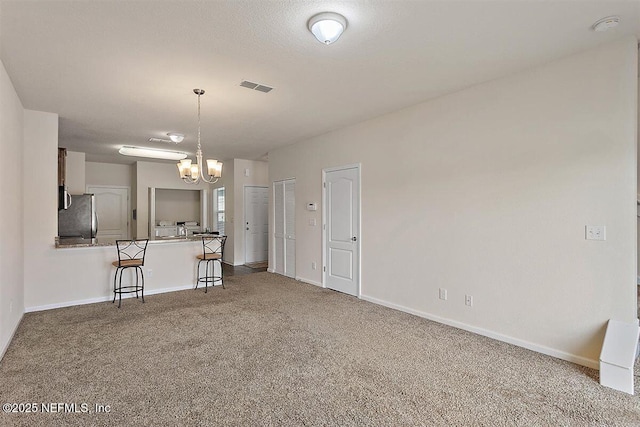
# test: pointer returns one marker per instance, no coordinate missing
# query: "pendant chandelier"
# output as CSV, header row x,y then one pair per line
x,y
193,174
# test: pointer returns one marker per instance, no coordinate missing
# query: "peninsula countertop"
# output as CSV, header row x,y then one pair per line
x,y
72,242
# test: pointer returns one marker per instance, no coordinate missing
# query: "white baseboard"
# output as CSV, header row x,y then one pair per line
x,y
270,270
6,345
590,363
309,281
105,298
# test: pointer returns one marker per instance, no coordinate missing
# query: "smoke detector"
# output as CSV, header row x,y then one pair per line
x,y
606,24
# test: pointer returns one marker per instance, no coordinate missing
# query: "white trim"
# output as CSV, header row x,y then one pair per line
x,y
271,270
104,299
8,343
309,281
590,363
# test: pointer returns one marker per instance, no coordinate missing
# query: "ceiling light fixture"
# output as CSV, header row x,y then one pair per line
x,y
175,137
193,174
167,141
152,153
606,23
327,27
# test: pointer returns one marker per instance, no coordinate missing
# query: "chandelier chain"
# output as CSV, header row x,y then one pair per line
x,y
195,173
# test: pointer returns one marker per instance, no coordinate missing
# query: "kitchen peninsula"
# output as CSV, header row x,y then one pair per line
x,y
170,265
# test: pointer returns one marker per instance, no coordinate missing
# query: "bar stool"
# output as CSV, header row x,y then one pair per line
x,y
130,255
212,251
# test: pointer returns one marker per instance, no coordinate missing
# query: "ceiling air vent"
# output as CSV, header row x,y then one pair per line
x,y
263,88
256,86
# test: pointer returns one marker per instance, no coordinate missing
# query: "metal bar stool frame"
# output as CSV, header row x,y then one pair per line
x,y
212,251
131,254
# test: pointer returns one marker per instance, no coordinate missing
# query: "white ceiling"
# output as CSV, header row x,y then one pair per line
x,y
120,72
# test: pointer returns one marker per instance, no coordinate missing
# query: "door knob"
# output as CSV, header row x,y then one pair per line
x,y
354,238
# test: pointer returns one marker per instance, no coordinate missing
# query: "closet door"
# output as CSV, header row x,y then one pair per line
x,y
278,227
290,228
284,235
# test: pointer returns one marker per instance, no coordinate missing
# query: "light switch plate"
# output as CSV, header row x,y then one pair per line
x,y
595,232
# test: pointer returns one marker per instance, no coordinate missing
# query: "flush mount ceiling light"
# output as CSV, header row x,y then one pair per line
x,y
175,137
327,27
167,141
606,23
193,174
152,153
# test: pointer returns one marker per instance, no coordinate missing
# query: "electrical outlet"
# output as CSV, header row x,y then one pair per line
x,y
313,266
595,232
443,294
468,300
149,272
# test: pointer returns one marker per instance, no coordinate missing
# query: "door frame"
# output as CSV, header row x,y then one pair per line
x,y
129,216
357,166
244,221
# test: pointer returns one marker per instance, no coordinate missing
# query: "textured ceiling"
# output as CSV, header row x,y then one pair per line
x,y
121,72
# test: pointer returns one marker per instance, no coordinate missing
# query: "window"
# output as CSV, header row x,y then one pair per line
x,y
218,210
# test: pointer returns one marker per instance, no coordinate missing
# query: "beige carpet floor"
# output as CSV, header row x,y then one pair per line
x,y
272,351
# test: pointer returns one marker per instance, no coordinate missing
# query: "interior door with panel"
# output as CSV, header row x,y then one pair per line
x,y
112,210
256,211
342,215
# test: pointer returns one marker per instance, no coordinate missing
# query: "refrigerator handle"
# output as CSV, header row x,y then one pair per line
x,y
68,197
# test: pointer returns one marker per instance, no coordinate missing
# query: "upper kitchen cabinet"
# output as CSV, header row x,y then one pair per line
x,y
75,173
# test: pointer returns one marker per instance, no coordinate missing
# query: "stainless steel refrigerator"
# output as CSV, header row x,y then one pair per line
x,y
79,220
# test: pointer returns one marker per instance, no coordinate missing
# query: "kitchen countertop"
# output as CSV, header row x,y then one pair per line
x,y
66,243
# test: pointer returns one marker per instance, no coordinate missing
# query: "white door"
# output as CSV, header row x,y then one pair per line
x,y
256,221
112,210
284,227
342,214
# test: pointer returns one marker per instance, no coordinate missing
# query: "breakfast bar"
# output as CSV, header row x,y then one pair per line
x,y
86,265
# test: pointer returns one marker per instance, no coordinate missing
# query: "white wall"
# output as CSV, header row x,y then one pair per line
x,y
487,192
11,222
75,173
258,176
98,173
227,181
43,275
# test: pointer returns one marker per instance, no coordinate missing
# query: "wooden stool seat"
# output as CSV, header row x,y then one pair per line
x,y
128,263
209,256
